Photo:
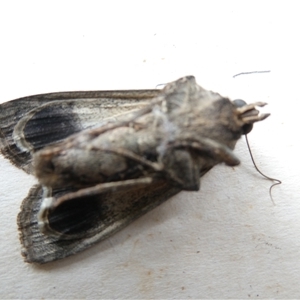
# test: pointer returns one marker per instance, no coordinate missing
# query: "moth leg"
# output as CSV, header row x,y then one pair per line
x,y
131,155
182,169
49,204
210,148
182,160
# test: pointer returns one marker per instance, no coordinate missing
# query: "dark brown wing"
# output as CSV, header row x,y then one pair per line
x,y
98,217
31,123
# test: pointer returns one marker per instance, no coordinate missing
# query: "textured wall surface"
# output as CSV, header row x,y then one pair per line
x,y
226,241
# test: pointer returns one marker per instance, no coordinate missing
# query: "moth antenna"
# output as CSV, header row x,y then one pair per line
x,y
252,72
257,169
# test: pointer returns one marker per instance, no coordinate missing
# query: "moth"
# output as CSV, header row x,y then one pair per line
x,y
104,158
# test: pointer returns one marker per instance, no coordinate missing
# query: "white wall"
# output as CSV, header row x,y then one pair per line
x,y
226,241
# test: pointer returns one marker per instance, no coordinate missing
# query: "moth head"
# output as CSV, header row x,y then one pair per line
x,y
249,114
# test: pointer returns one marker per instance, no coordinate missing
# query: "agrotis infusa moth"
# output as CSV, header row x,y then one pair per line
x,y
104,158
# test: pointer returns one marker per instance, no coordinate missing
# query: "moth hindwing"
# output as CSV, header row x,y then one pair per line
x,y
104,158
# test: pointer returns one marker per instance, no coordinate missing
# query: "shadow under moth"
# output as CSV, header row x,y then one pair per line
x,y
104,158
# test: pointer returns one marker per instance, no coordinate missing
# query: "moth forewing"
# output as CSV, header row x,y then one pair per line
x,y
138,155
32,123
50,202
88,220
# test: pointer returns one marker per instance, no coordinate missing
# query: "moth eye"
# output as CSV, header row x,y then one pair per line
x,y
240,103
